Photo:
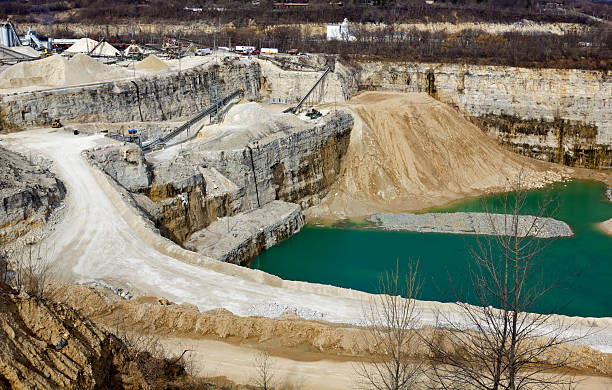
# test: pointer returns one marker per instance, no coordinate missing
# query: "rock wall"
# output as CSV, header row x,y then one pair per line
x,y
48,345
288,79
240,238
28,194
296,167
188,193
579,97
151,99
125,164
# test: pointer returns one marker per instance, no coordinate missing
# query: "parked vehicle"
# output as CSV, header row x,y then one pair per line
x,y
203,51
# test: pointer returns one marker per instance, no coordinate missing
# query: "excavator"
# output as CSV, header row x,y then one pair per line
x,y
56,124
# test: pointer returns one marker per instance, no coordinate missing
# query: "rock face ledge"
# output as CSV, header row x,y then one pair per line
x,y
243,236
28,194
472,223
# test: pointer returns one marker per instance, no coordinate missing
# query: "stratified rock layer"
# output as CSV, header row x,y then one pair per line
x,y
33,355
28,194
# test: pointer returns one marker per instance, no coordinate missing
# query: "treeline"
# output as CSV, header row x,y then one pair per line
x,y
243,13
588,50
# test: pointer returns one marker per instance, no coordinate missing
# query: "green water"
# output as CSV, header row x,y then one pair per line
x,y
353,258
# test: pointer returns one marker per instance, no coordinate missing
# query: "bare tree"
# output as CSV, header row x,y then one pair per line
x,y
500,343
31,272
392,319
264,377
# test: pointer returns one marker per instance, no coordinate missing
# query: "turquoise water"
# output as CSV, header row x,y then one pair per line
x,y
353,258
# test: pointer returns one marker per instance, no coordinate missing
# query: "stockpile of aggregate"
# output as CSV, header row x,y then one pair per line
x,y
57,71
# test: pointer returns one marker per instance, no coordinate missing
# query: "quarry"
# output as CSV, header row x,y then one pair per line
x,y
167,177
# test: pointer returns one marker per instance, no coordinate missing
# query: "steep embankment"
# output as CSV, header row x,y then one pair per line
x,y
48,345
409,151
28,194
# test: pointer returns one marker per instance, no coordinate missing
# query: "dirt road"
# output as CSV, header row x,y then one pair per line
x,y
237,364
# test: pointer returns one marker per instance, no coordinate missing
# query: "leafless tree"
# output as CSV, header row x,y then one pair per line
x,y
264,377
392,318
500,343
31,272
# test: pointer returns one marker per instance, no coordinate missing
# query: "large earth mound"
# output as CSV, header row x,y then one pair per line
x,y
409,151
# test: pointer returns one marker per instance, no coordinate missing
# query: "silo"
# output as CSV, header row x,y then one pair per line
x,y
5,33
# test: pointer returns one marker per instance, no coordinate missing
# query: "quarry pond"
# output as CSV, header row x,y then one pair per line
x,y
353,256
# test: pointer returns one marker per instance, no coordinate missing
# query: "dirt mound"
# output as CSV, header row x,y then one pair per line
x,y
57,71
410,151
45,345
151,63
249,122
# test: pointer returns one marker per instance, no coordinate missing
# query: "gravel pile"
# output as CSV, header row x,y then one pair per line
x,y
274,310
472,223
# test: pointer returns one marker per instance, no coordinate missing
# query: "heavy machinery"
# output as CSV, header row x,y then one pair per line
x,y
314,113
293,52
56,124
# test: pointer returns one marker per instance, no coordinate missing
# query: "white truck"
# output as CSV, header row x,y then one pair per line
x,y
269,50
245,49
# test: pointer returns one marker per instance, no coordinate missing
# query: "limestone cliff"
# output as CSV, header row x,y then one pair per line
x,y
240,238
28,194
175,95
125,164
185,190
297,166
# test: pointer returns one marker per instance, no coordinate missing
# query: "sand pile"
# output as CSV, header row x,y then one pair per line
x,y
105,49
151,63
606,226
57,71
83,45
409,151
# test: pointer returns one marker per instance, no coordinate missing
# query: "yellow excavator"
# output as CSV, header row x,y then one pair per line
x,y
56,124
